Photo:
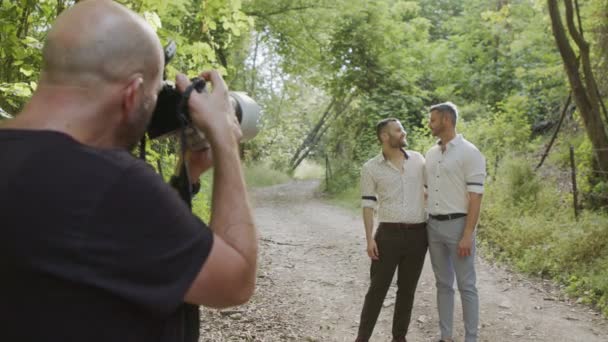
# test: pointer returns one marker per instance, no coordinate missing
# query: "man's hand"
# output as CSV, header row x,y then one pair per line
x,y
372,250
464,246
212,112
466,243
199,162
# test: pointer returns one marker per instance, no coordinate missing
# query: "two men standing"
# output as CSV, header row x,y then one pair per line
x,y
454,172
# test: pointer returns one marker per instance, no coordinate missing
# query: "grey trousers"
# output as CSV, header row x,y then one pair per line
x,y
444,237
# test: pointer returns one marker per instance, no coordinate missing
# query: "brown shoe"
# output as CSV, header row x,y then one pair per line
x,y
399,339
362,339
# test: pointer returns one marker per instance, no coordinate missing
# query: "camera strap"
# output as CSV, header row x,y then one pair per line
x,y
183,114
142,148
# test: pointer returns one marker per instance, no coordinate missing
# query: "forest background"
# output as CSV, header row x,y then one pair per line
x,y
528,77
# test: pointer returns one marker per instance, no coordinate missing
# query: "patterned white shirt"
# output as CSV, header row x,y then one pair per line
x,y
397,195
452,174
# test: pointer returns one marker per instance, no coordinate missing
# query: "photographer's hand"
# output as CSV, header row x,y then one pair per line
x,y
199,161
211,111
228,275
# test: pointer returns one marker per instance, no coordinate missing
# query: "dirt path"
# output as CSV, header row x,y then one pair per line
x,y
314,274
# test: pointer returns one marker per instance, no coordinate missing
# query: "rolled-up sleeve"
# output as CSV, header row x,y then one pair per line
x,y
424,174
475,171
368,189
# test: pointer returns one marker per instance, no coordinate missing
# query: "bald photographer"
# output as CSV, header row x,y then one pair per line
x,y
95,246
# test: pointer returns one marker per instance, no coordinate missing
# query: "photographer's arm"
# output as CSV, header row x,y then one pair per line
x,y
228,275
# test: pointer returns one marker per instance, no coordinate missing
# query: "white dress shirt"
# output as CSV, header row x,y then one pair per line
x,y
397,195
452,174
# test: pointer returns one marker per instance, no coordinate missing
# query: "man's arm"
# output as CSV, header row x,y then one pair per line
x,y
368,222
369,202
425,182
228,276
475,173
466,243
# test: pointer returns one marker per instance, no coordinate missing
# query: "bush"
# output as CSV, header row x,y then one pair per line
x,y
201,203
309,170
345,175
533,227
349,198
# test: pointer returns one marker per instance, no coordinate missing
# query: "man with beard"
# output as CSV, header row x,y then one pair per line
x,y
392,183
456,172
95,246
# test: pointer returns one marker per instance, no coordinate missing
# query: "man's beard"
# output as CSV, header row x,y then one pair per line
x,y
398,143
438,130
435,132
132,133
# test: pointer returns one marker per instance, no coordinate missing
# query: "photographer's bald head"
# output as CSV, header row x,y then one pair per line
x,y
101,72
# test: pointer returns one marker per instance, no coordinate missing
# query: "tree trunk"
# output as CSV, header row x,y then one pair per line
x,y
584,91
310,137
319,130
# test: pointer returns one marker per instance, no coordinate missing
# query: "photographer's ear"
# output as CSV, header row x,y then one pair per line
x,y
132,95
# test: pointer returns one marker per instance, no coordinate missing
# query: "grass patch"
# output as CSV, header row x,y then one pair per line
x,y
309,170
533,228
201,203
257,176
349,198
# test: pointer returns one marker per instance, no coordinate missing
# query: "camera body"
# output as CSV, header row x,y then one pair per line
x,y
166,120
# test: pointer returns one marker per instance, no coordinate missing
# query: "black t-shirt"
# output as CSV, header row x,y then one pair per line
x,y
94,246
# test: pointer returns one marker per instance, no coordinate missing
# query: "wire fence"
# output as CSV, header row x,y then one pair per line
x,y
569,177
587,173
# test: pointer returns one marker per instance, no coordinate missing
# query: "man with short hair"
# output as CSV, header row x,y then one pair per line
x,y
455,171
95,246
392,182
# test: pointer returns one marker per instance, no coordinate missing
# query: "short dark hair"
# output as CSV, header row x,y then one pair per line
x,y
381,124
446,108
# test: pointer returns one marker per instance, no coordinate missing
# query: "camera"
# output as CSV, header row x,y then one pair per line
x,y
166,119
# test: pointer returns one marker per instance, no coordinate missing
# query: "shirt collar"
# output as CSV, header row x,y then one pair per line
x,y
454,142
407,156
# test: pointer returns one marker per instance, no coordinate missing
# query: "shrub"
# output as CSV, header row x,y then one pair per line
x,y
260,175
533,228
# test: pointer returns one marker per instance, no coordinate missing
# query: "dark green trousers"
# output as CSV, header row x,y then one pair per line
x,y
402,247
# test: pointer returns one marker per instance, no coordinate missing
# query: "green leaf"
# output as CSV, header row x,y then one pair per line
x,y
26,72
32,42
153,19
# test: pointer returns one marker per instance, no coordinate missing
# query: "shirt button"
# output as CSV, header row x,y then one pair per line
x,y
436,203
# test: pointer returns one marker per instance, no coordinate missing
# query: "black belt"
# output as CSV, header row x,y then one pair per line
x,y
447,216
393,225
